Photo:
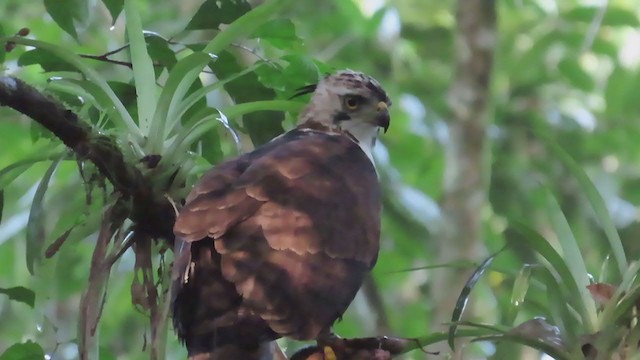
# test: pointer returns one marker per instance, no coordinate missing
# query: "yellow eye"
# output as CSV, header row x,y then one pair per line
x,y
352,102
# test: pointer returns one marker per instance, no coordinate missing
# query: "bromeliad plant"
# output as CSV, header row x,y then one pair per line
x,y
148,138
576,315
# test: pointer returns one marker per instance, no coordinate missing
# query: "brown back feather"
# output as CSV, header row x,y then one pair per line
x,y
293,227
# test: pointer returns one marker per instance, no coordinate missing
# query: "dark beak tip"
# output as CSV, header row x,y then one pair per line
x,y
384,121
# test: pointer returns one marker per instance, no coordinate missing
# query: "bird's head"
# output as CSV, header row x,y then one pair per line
x,y
348,101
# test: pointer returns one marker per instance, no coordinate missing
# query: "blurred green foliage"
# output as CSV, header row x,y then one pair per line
x,y
564,124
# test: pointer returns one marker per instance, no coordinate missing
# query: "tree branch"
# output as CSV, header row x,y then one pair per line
x,y
151,212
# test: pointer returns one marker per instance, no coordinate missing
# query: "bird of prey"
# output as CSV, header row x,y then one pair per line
x,y
276,242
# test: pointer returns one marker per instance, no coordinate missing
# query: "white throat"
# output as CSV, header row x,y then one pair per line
x,y
365,134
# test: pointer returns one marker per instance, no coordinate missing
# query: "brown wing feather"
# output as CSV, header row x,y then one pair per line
x,y
295,226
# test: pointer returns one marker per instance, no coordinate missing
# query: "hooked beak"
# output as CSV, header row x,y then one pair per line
x,y
382,116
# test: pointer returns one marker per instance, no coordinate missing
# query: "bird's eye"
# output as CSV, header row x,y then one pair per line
x,y
352,102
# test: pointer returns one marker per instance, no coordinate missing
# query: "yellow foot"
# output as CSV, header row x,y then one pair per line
x,y
329,354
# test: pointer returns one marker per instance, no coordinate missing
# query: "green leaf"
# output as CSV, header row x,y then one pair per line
x,y
159,50
300,70
143,72
281,33
624,309
121,115
126,92
461,303
613,16
604,46
615,308
25,351
559,301
166,115
20,294
573,258
268,105
554,262
11,172
45,60
549,349
35,225
211,147
520,288
573,72
67,12
262,126
244,25
456,264
441,336
595,199
212,13
201,93
91,93
114,7
106,354
619,94
1,204
206,120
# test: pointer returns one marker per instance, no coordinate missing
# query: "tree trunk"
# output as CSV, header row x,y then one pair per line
x,y
467,170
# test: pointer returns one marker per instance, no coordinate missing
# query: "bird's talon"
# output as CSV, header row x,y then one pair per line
x,y
329,354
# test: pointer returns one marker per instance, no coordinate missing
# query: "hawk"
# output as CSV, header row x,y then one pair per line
x,y
276,242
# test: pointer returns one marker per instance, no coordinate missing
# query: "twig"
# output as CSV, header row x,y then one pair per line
x,y
104,58
379,348
148,297
375,300
92,300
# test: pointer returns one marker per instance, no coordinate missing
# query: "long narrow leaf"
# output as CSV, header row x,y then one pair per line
x,y
464,295
596,201
88,92
143,72
183,74
573,258
520,289
540,245
35,225
554,352
492,329
73,88
11,172
122,115
456,264
176,88
610,311
624,310
193,98
558,305
234,111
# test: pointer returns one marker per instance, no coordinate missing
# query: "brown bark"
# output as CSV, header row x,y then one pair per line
x,y
464,195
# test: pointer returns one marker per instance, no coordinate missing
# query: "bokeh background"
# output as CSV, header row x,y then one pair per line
x,y
567,69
